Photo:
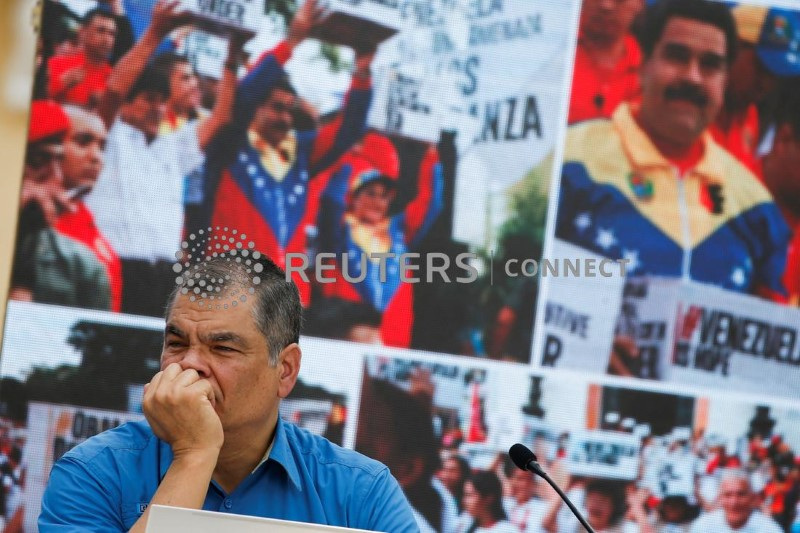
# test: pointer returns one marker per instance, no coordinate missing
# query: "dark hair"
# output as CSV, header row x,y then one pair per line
x,y
333,318
281,84
709,12
615,492
785,105
398,429
277,311
166,61
149,81
487,484
97,12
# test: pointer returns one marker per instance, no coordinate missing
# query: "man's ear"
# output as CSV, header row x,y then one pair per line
x,y
288,368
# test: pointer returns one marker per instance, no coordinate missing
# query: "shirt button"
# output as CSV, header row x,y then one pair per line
x,y
228,503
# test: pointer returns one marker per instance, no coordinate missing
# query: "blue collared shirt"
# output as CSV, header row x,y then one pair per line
x,y
106,483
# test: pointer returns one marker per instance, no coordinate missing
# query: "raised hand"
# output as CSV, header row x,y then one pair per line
x,y
304,21
167,15
179,405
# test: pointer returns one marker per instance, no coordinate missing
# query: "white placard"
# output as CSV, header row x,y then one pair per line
x,y
735,342
580,311
406,103
647,316
383,12
603,454
207,53
221,15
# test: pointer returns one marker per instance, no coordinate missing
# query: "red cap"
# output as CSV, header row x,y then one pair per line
x,y
47,120
380,153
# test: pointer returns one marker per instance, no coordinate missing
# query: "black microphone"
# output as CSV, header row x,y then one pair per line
x,y
526,460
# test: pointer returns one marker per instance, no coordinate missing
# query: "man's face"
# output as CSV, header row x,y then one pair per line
x,y
599,509
749,81
370,204
83,151
522,485
43,163
608,20
683,81
184,88
273,119
146,111
226,348
98,37
737,501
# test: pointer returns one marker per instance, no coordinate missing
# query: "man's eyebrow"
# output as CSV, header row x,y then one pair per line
x,y
172,329
222,336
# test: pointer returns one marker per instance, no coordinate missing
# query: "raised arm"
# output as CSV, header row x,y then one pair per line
x,y
226,94
426,206
166,17
179,406
336,138
269,68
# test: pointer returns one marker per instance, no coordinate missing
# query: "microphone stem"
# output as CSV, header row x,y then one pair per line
x,y
541,473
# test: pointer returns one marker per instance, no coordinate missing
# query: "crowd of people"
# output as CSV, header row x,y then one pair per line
x,y
690,482
12,476
124,164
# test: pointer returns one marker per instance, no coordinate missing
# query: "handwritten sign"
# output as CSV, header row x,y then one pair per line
x,y
407,103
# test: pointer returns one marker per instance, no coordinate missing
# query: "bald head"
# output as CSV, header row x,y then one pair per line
x,y
84,148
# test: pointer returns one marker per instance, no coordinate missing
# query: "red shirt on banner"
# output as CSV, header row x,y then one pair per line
x,y
596,91
740,137
81,227
791,277
93,82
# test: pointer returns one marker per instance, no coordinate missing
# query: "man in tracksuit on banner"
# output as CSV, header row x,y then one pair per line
x,y
261,171
356,206
651,186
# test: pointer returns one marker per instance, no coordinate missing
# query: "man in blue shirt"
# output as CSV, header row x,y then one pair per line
x,y
213,439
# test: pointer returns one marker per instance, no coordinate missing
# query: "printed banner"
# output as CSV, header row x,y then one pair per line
x,y
52,431
578,332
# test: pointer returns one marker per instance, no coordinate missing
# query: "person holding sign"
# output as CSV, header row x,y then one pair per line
x,y
357,202
213,438
140,189
261,171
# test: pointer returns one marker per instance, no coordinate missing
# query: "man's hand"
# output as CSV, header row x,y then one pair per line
x,y
179,405
167,16
50,197
72,77
303,22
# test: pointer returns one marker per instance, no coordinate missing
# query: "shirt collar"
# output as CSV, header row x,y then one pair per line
x,y
280,451
643,153
282,454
